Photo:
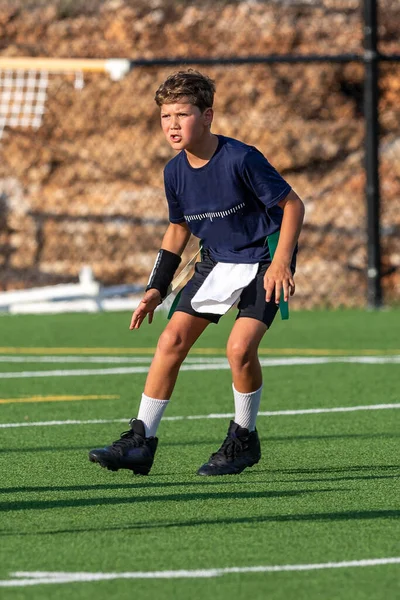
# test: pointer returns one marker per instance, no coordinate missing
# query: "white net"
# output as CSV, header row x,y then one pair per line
x,y
23,96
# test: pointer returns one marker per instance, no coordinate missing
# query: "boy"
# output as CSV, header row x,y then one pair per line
x,y
228,195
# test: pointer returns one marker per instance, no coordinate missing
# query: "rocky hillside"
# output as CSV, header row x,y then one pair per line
x,y
86,187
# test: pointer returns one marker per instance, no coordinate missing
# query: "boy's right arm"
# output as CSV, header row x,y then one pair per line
x,y
175,239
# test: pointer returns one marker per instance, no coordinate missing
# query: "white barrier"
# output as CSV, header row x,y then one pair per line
x,y
85,296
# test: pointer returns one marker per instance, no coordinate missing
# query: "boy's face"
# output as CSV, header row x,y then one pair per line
x,y
184,125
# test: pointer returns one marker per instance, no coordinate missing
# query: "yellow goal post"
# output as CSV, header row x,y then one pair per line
x,y
24,83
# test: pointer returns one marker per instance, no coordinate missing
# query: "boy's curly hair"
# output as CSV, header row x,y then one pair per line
x,y
196,88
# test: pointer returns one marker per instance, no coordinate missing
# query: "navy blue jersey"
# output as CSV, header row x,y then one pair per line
x,y
230,203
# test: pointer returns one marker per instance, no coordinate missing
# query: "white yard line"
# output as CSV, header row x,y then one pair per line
x,y
204,365
271,413
26,578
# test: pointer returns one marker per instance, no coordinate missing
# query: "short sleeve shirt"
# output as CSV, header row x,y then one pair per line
x,y
230,203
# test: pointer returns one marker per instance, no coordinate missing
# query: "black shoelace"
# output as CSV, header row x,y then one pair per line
x,y
231,447
128,439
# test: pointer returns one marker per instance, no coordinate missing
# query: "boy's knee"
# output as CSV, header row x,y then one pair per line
x,y
239,353
171,341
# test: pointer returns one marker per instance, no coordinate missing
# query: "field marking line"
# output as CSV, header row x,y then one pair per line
x,y
271,413
388,358
64,398
75,359
269,351
26,578
215,365
96,359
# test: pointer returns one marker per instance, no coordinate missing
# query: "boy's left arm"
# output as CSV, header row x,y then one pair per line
x,y
279,275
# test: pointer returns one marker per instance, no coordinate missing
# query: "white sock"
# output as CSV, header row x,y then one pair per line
x,y
246,408
151,411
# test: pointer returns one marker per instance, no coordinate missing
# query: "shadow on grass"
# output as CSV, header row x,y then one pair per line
x,y
319,470
185,497
138,483
340,478
250,475
215,442
357,473
362,515
337,436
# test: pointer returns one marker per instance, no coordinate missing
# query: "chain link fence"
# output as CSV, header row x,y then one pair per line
x,y
86,187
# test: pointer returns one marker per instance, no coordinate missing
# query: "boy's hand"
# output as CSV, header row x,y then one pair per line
x,y
147,306
277,277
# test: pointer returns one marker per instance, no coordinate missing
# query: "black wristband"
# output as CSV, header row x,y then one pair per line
x,y
163,271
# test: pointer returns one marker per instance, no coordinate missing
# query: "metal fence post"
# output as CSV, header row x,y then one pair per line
x,y
371,109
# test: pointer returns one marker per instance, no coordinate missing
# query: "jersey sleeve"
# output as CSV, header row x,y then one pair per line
x,y
175,212
263,179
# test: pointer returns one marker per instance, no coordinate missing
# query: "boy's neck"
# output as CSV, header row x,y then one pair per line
x,y
199,156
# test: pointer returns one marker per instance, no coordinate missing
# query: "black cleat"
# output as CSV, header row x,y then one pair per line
x,y
132,451
239,450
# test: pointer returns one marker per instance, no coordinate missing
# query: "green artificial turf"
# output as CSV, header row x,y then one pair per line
x,y
326,489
